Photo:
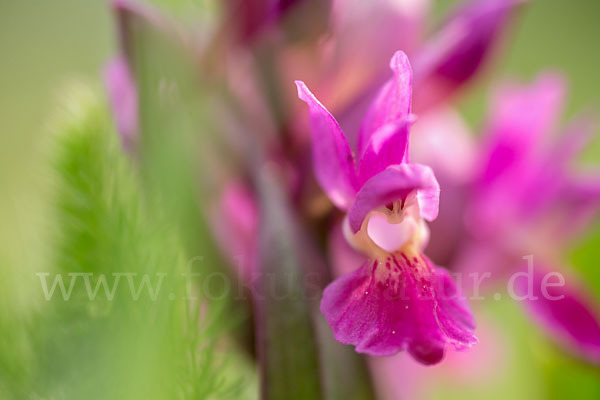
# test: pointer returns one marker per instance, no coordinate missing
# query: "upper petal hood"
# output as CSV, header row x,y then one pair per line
x,y
395,183
393,102
387,146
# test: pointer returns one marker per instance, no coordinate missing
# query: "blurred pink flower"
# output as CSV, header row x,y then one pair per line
x,y
478,367
234,223
453,56
527,201
122,95
347,68
397,300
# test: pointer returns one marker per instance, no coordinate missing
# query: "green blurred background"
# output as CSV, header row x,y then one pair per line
x,y
44,44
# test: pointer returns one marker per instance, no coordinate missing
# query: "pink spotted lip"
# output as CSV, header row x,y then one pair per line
x,y
402,302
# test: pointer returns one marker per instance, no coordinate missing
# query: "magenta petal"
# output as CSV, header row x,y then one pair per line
x,y
234,222
392,102
122,95
548,186
332,158
483,21
553,192
395,183
565,311
522,116
454,316
575,138
575,200
454,55
403,303
387,146
578,206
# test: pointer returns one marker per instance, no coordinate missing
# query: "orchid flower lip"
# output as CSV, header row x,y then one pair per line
x,y
395,183
400,302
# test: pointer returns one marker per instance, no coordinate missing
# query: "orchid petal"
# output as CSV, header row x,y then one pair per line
x,y
521,117
578,205
548,183
235,226
575,138
571,198
332,158
549,187
565,311
404,303
122,94
358,65
454,316
395,183
457,52
387,146
392,103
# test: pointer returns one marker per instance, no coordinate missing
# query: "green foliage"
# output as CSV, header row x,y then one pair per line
x,y
149,342
564,376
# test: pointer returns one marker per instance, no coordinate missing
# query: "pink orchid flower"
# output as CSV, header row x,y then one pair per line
x,y
398,299
529,201
526,199
122,95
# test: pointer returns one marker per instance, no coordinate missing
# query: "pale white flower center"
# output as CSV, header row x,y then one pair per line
x,y
387,230
390,236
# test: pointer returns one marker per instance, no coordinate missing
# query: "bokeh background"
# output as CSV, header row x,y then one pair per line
x,y
46,44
